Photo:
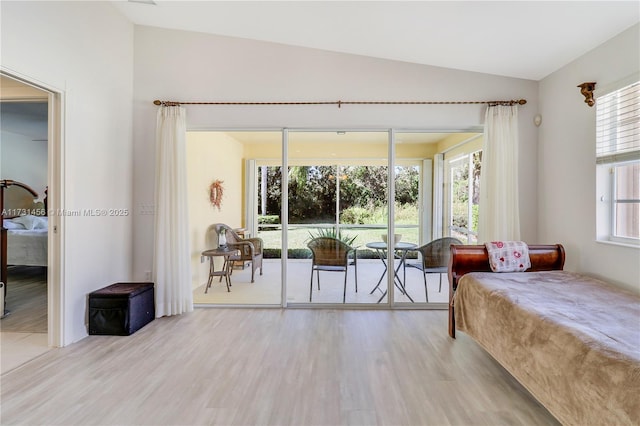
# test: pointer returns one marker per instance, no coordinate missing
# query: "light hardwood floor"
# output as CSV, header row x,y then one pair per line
x,y
26,300
272,367
23,332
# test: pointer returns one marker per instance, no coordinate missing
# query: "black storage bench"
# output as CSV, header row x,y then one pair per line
x,y
121,309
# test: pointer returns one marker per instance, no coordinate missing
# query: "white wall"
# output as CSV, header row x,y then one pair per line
x,y
84,50
567,173
212,156
178,65
24,160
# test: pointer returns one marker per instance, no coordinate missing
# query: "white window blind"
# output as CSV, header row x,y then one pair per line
x,y
618,125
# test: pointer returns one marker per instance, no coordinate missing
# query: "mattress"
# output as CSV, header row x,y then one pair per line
x,y
27,247
571,340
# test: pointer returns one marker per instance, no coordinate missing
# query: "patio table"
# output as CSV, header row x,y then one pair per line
x,y
400,252
230,256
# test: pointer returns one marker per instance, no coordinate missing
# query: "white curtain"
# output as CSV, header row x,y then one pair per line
x,y
499,215
171,260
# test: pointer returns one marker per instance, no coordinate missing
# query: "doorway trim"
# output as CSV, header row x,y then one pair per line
x,y
55,197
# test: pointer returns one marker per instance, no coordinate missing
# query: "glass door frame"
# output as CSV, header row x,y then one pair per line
x,y
465,154
391,143
390,303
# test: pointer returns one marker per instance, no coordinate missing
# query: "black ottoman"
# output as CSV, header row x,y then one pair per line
x,y
121,309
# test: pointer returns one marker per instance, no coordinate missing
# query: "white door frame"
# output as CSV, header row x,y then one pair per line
x,y
55,200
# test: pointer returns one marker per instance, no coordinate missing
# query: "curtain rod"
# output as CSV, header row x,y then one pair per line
x,y
340,103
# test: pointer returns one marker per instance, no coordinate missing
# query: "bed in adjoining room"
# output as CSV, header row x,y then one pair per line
x,y
23,242
25,220
27,238
573,341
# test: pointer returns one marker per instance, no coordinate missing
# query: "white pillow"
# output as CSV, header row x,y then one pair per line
x,y
10,224
31,222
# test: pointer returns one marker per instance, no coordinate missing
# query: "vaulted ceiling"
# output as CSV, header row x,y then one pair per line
x,y
523,39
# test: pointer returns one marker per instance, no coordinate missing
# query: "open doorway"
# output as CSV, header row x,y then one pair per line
x,y
228,161
24,171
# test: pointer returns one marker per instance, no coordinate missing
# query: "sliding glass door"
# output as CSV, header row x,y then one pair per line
x,y
412,177
337,207
332,186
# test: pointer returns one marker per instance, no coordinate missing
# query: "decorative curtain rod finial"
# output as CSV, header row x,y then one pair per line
x,y
587,90
165,103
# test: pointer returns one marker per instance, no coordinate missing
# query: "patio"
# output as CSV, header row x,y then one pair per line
x,y
267,288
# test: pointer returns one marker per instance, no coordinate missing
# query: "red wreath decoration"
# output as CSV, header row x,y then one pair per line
x,y
216,191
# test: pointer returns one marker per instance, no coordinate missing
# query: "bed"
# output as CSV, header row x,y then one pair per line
x,y
25,225
573,341
27,246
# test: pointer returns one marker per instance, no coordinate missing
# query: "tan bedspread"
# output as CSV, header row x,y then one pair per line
x,y
572,341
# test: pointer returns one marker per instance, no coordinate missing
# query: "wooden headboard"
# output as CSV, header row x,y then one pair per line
x,y
16,199
20,199
465,259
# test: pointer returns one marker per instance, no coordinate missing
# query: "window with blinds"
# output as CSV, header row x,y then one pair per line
x,y
618,125
618,155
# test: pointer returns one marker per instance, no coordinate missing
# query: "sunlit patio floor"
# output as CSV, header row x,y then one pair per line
x,y
267,289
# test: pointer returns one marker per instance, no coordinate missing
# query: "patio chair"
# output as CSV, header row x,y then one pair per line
x,y
249,249
435,259
331,255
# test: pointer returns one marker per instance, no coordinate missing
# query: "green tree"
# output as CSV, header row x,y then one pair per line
x,y
407,184
365,186
312,190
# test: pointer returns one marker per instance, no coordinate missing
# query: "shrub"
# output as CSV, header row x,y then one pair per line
x,y
304,253
271,253
355,216
460,218
331,233
406,213
269,219
294,253
474,217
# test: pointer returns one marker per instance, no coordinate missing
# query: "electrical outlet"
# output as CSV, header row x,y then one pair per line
x,y
147,275
147,209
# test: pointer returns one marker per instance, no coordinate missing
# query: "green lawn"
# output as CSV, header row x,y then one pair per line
x,y
298,237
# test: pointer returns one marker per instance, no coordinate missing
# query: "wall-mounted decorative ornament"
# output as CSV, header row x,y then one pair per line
x,y
537,120
587,90
216,191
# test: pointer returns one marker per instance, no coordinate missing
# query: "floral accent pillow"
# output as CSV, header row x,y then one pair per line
x,y
508,256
